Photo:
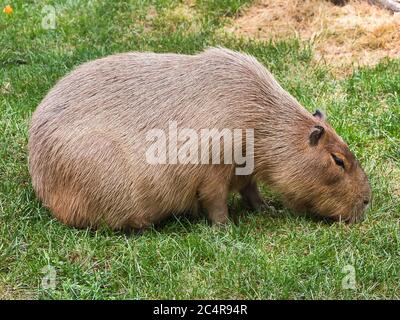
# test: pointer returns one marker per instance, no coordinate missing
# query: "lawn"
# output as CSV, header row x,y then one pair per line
x,y
272,254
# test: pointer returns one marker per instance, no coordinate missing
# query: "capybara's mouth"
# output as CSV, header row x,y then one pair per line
x,y
349,220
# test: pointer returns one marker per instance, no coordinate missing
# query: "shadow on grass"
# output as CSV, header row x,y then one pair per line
x,y
238,212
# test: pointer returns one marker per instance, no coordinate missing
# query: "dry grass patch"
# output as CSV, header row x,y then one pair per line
x,y
357,33
394,172
9,293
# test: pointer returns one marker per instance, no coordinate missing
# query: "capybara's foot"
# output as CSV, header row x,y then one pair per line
x,y
214,199
252,197
218,218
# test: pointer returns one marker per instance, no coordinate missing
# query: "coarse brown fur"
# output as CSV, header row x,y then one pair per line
x,y
87,142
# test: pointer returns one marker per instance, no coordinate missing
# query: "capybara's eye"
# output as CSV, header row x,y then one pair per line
x,y
338,160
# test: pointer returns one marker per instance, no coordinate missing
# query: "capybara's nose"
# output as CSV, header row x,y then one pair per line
x,y
355,219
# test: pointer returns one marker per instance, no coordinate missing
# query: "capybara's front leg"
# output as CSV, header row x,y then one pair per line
x,y
252,196
214,200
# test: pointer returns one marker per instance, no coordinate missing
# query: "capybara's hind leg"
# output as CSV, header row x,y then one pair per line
x,y
213,198
251,195
87,180
70,207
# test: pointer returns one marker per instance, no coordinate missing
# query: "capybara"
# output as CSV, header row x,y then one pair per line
x,y
88,142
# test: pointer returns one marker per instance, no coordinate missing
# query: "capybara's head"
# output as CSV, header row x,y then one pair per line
x,y
324,177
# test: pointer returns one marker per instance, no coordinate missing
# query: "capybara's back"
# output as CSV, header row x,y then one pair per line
x,y
87,140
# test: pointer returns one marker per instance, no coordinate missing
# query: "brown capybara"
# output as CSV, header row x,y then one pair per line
x,y
89,143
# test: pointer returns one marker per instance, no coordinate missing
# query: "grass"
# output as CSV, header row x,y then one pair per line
x,y
264,255
358,33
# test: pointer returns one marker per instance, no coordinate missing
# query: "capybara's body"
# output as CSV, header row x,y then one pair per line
x,y
87,142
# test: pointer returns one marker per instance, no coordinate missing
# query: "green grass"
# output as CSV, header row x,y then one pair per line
x,y
264,255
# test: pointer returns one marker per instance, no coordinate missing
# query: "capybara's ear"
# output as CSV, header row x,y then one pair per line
x,y
319,114
316,134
